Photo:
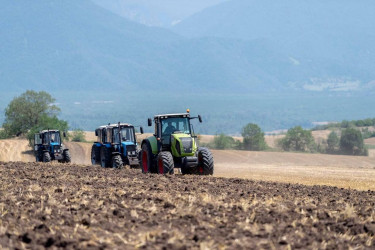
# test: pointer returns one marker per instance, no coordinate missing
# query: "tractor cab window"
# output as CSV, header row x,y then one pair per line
x,y
51,137
127,134
174,125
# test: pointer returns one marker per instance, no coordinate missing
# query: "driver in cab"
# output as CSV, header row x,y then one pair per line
x,y
169,129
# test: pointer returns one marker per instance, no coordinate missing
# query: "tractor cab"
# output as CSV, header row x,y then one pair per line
x,y
48,137
48,147
168,127
116,146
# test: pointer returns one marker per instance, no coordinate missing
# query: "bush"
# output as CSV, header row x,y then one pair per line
x,y
352,142
253,137
298,139
3,134
78,136
223,141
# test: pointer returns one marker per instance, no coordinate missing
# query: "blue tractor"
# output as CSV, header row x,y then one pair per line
x,y
48,147
116,146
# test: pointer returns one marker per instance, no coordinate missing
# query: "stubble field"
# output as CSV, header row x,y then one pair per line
x,y
72,206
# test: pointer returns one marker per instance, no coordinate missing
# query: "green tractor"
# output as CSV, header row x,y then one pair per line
x,y
174,145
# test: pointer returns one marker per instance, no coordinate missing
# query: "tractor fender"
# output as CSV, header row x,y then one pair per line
x,y
66,150
152,143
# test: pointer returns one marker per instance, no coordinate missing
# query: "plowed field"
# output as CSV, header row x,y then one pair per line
x,y
72,206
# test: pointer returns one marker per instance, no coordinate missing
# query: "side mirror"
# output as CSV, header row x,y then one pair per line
x,y
96,132
141,129
40,136
64,134
149,122
200,118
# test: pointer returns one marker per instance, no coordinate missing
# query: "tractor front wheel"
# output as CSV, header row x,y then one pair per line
x,y
66,156
46,157
146,159
165,163
117,161
205,162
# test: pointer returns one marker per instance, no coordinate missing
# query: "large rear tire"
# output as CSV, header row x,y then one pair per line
x,y
117,161
46,157
146,159
95,155
205,162
66,156
165,164
105,157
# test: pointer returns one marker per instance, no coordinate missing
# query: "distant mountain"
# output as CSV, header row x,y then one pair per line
x,y
102,68
78,45
162,13
335,38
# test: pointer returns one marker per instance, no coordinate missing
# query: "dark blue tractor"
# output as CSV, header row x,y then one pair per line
x,y
48,147
116,146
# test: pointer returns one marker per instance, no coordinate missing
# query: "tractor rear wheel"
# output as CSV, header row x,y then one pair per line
x,y
146,159
117,161
105,157
205,162
46,157
165,163
95,155
66,156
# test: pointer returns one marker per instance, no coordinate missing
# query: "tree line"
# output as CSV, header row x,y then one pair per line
x,y
349,141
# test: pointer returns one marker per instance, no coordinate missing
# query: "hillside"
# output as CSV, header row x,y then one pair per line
x,y
334,38
163,13
79,46
104,68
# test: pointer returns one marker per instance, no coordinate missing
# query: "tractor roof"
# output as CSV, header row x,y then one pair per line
x,y
115,125
173,115
46,131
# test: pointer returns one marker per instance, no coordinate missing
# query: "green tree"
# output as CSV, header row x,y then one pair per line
x,y
27,111
298,139
333,142
253,137
351,142
78,135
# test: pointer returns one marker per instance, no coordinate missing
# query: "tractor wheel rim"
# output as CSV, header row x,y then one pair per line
x,y
200,169
144,162
200,163
161,167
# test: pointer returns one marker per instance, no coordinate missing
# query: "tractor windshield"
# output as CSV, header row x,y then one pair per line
x,y
126,134
175,124
52,137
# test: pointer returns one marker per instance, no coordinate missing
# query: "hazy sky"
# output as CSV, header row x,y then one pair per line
x,y
156,12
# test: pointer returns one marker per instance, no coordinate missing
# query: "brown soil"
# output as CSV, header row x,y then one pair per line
x,y
70,206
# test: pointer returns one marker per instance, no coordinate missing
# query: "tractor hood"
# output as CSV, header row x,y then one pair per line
x,y
183,145
126,143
